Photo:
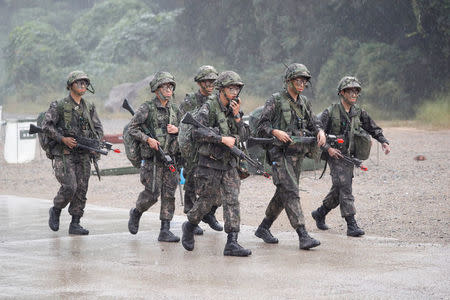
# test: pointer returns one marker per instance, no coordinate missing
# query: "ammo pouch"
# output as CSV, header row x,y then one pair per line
x,y
362,143
213,151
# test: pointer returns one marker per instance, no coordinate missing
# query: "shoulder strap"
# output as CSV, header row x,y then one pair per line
x,y
90,109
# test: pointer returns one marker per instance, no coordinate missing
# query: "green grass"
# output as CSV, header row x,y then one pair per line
x,y
435,114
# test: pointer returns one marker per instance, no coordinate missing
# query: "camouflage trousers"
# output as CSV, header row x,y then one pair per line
x,y
286,175
164,184
216,187
72,172
341,190
189,188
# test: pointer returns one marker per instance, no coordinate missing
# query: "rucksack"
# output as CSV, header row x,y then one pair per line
x,y
46,143
132,148
188,147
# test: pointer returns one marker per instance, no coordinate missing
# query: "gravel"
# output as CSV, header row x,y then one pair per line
x,y
399,197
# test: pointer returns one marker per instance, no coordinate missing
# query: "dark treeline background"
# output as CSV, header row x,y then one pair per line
x,y
398,48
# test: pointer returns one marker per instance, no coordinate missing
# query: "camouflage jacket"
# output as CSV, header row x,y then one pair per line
x,y
191,102
152,116
279,114
67,118
341,125
212,153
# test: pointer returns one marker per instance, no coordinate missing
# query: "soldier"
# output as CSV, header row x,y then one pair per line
x,y
158,116
65,119
216,177
344,119
205,78
287,114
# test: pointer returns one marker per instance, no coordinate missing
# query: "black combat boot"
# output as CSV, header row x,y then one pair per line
x,y
53,220
232,248
165,235
319,215
75,227
306,242
133,222
352,227
211,220
198,230
264,233
187,240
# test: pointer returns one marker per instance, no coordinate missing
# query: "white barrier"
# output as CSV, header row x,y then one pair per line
x,y
20,146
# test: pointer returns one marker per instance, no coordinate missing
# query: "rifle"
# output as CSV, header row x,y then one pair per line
x,y
273,141
166,158
188,119
84,143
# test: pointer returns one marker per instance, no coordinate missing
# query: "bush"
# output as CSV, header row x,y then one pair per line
x,y
435,112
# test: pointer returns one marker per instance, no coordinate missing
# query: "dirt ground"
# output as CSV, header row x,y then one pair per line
x,y
398,197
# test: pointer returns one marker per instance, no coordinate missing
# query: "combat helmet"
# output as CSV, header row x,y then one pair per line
x,y
348,82
227,78
296,70
79,75
161,78
206,73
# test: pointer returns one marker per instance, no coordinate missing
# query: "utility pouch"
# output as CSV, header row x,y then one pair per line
x,y
363,144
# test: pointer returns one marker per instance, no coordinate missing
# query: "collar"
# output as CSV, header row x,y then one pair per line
x,y
159,104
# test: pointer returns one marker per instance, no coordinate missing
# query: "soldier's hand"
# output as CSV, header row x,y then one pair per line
x,y
69,142
386,148
228,141
321,139
172,129
281,136
154,144
235,104
335,153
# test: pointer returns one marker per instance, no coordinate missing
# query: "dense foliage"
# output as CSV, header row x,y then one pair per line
x,y
398,48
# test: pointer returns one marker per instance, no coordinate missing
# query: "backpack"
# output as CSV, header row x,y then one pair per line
x,y
132,148
46,143
188,146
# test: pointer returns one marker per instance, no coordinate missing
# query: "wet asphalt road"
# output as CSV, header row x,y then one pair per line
x,y
111,263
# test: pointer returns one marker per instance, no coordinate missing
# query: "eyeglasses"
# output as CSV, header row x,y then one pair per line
x,y
353,91
167,87
300,81
208,83
233,89
81,83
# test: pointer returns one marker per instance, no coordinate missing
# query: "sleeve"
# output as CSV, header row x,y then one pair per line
x,y
243,129
264,127
135,126
324,120
184,107
314,125
97,123
205,136
50,122
372,128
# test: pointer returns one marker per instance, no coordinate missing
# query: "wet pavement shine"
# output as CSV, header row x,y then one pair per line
x,y
111,263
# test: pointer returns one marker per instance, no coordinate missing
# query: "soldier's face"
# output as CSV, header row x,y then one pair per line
x,y
299,84
350,95
79,87
207,86
232,91
166,90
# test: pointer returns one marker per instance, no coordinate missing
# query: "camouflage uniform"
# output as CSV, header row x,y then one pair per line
x,y
342,173
217,179
165,181
286,163
72,166
337,121
191,102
